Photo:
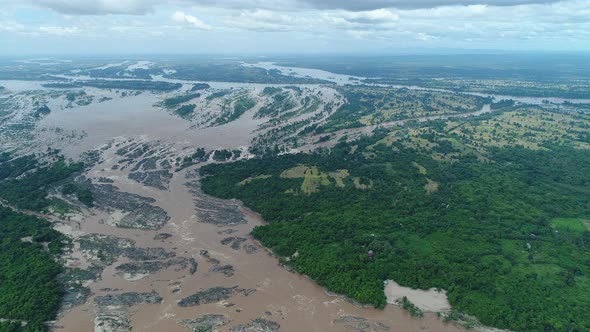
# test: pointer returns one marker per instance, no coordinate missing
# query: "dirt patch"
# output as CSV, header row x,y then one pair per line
x,y
430,300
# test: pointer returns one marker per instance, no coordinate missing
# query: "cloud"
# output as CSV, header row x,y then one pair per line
x,y
189,20
60,31
356,5
141,7
97,7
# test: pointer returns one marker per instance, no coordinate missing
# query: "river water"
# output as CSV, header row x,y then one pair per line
x,y
290,299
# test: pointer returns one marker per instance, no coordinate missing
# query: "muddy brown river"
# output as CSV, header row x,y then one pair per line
x,y
197,230
290,299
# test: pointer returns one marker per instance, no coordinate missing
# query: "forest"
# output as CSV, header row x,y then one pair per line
x,y
25,181
29,247
29,290
485,231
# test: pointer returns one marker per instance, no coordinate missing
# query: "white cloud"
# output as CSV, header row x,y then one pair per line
x,y
252,25
189,20
60,31
141,7
97,7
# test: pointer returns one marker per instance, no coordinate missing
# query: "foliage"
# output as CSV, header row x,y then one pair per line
x,y
231,112
29,290
24,181
222,155
43,110
485,236
200,86
177,100
410,307
186,110
83,194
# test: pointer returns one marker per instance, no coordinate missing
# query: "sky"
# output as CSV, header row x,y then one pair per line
x,y
290,26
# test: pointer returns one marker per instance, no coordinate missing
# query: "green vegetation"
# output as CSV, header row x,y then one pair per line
x,y
43,110
281,101
177,100
571,224
218,94
186,110
486,234
534,75
231,111
83,194
231,71
29,290
200,86
410,307
24,181
370,106
221,155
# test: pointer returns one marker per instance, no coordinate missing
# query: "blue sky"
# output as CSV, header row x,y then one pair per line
x,y
290,26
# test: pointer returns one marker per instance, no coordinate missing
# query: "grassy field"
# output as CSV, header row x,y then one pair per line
x,y
571,224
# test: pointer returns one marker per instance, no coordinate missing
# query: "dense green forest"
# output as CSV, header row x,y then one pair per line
x,y
29,247
29,290
490,233
24,181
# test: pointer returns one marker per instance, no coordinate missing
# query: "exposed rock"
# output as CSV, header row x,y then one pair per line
x,y
162,236
156,179
227,269
234,242
135,211
208,322
250,248
113,310
112,321
215,211
257,325
135,268
105,249
193,265
377,326
210,295
360,324
102,179
228,231
146,254
128,299
213,295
